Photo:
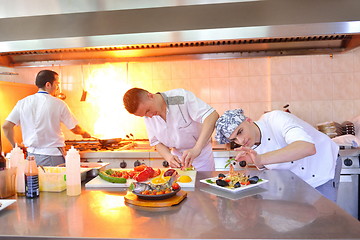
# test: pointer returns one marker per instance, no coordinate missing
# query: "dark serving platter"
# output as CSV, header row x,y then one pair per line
x,y
157,197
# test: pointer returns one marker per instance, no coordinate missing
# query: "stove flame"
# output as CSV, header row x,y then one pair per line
x,y
106,86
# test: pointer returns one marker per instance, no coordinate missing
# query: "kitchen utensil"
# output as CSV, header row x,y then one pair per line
x,y
107,142
95,168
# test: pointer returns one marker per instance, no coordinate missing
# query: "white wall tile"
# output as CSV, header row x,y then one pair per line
x,y
301,87
356,85
180,70
259,66
280,88
342,110
321,64
343,62
321,111
259,88
219,68
161,70
139,71
343,86
199,69
257,109
239,67
201,88
219,90
281,65
239,89
303,110
322,87
301,64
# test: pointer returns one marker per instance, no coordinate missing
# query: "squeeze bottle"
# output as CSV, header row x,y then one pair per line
x,y
31,178
73,174
17,159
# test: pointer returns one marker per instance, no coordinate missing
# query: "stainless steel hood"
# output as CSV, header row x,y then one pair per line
x,y
102,31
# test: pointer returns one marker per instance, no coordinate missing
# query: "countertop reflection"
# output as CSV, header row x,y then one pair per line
x,y
284,208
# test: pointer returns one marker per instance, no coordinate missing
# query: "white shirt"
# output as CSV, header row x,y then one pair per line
x,y
279,129
184,117
40,116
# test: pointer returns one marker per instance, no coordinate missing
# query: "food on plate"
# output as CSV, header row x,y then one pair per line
x,y
155,189
170,172
184,179
140,174
234,179
160,179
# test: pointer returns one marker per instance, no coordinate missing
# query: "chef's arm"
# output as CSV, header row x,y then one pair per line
x,y
292,152
8,129
207,129
165,152
78,130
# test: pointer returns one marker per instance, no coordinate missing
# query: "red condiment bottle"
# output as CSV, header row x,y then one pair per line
x,y
31,178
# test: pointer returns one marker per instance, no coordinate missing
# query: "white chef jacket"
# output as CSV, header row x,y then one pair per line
x,y
279,129
185,114
40,116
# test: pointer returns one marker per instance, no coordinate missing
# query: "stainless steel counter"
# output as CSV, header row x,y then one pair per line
x,y
284,208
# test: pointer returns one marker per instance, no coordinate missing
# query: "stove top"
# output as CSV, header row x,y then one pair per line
x,y
94,145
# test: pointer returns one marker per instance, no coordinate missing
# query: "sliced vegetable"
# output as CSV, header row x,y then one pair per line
x,y
106,175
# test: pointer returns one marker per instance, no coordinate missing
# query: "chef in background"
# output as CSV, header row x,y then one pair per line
x,y
178,123
280,140
39,116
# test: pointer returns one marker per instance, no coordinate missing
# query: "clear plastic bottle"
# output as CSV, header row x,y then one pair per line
x,y
19,159
73,172
31,178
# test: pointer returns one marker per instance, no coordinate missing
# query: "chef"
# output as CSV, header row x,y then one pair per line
x,y
178,123
280,140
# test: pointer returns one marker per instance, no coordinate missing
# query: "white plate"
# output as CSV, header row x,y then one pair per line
x,y
6,202
232,189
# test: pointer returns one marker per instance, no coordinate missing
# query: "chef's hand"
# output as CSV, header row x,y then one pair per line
x,y
174,161
249,155
188,157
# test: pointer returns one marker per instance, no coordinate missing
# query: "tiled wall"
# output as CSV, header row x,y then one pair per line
x,y
318,88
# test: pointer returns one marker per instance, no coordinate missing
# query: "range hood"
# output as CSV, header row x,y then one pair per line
x,y
131,30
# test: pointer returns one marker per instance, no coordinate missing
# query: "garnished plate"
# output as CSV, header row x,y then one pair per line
x,y
212,183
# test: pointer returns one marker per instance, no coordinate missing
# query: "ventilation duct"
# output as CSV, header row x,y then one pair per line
x,y
190,29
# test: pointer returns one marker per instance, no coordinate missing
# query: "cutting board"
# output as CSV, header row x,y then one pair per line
x,y
133,199
98,182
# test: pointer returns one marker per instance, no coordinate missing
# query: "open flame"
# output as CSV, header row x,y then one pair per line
x,y
106,86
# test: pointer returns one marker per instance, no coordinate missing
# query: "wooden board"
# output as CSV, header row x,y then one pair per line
x,y
133,199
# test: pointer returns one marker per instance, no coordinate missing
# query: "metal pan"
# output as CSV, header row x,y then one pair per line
x,y
108,142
